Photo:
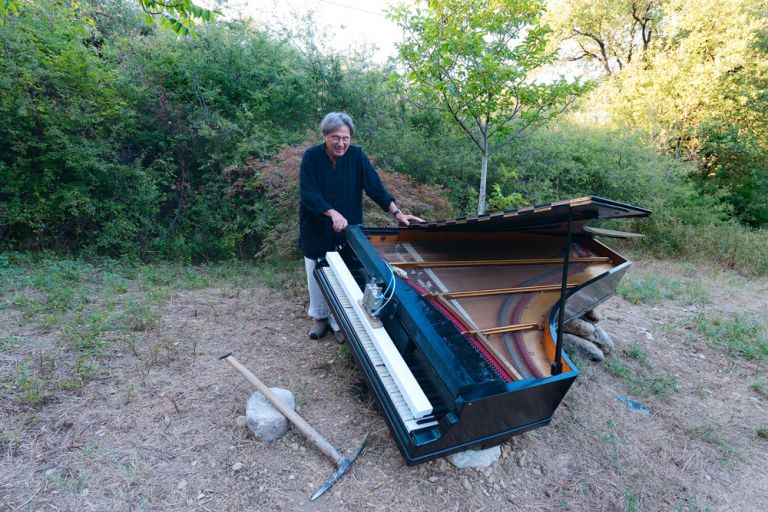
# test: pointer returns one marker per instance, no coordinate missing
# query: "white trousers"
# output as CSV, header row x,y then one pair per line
x,y
318,308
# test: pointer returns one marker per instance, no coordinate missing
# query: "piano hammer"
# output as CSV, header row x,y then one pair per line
x,y
342,463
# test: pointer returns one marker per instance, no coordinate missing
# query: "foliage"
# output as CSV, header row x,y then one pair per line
x,y
177,15
180,16
475,59
64,115
699,91
610,34
123,140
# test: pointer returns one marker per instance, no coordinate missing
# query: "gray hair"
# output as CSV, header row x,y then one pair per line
x,y
336,120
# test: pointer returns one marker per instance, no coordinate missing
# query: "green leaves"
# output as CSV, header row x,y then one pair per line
x,y
476,59
178,16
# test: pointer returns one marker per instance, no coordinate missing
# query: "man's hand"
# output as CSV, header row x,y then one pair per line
x,y
339,222
406,219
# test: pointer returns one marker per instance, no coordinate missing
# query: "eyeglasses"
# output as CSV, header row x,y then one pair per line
x,y
336,139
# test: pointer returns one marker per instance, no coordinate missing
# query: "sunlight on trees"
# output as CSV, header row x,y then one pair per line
x,y
699,90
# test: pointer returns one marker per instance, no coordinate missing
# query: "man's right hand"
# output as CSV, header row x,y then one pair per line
x,y
339,222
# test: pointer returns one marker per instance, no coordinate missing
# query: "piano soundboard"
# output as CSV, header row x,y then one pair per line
x,y
465,352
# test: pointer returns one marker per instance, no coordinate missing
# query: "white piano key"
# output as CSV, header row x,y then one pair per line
x,y
391,385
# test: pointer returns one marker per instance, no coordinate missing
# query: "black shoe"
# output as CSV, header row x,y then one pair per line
x,y
319,328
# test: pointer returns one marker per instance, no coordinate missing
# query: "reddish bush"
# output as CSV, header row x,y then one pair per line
x,y
278,180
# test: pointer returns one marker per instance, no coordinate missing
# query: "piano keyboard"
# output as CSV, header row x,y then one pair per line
x,y
406,395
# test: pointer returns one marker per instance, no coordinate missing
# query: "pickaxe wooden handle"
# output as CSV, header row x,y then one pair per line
x,y
342,463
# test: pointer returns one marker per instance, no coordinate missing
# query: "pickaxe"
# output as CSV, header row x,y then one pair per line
x,y
342,463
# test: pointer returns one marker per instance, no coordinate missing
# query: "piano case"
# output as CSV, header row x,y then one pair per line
x,y
471,318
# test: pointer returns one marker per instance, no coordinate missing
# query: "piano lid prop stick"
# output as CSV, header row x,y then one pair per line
x,y
342,463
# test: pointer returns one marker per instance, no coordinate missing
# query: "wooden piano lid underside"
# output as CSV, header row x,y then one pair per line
x,y
521,354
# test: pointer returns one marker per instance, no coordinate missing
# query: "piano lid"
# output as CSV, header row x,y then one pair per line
x,y
549,217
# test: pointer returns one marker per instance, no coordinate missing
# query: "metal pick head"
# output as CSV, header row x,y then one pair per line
x,y
342,467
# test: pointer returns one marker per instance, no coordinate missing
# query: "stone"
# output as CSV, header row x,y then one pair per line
x,y
580,328
602,340
475,458
594,314
584,347
237,466
264,421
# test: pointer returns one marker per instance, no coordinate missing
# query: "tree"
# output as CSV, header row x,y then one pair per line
x,y
476,60
177,15
610,33
701,94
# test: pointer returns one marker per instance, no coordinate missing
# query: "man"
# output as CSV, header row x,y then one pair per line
x,y
333,176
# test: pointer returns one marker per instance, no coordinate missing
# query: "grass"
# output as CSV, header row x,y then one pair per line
x,y
743,335
714,434
760,386
656,289
631,501
89,311
634,367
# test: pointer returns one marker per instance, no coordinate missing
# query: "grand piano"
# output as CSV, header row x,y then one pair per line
x,y
456,324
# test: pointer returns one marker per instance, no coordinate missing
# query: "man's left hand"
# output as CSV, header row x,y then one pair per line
x,y
405,219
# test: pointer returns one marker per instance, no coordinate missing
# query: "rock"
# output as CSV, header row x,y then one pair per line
x,y
241,421
433,479
475,458
594,315
264,421
585,347
182,485
465,483
237,466
602,340
580,328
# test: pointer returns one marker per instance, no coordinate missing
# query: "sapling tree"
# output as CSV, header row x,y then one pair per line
x,y
477,60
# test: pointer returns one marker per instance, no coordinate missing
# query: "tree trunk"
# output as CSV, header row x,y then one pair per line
x,y
483,178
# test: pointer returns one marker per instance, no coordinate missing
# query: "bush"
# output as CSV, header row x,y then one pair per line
x,y
278,181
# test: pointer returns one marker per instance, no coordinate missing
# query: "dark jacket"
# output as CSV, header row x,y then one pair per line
x,y
325,186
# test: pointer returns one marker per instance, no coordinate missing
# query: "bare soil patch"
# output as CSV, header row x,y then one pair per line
x,y
163,436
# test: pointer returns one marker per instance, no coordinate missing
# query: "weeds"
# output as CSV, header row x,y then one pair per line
x,y
630,500
762,433
639,374
714,434
29,387
743,334
655,290
760,386
692,505
84,306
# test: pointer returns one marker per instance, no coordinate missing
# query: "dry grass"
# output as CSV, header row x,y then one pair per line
x,y
153,428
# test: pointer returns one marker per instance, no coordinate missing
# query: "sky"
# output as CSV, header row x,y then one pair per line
x,y
347,22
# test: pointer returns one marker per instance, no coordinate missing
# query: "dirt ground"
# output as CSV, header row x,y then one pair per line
x,y
165,437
